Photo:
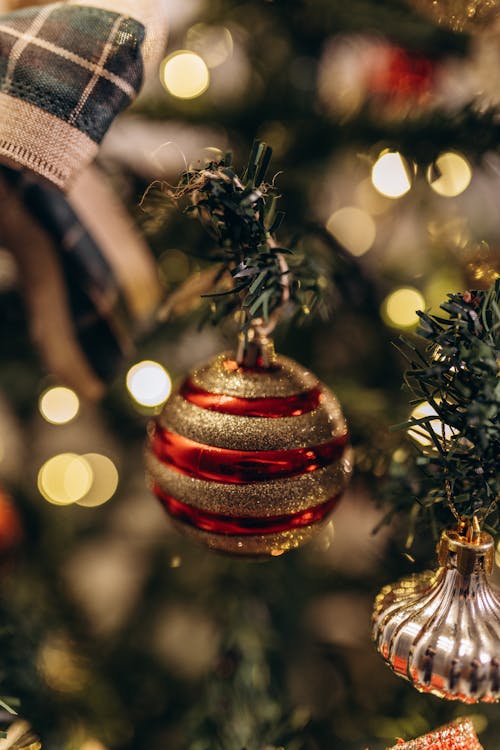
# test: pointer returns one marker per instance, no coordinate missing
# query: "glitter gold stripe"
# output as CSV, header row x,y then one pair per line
x,y
459,735
273,497
219,523
222,375
239,467
252,546
247,433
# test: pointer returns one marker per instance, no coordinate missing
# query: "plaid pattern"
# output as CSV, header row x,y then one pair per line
x,y
81,64
66,71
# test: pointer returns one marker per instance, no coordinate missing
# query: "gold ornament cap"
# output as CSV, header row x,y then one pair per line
x,y
471,553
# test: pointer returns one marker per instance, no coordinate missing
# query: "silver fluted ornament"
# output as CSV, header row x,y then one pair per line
x,y
441,630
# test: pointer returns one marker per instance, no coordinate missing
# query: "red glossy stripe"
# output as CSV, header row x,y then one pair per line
x,y
239,467
218,523
289,406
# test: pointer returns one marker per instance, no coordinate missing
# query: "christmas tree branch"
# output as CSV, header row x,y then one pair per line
x,y
240,214
459,435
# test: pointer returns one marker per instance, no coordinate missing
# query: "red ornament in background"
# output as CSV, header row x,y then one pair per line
x,y
250,458
11,529
402,77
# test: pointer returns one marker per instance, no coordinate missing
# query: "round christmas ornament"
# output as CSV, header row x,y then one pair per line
x,y
459,735
251,454
363,70
441,630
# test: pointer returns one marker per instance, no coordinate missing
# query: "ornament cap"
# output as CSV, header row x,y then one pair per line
x,y
469,553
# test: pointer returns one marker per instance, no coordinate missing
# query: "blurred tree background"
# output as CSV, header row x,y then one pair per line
x,y
118,633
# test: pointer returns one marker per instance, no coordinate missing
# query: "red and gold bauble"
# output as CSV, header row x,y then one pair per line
x,y
441,630
250,459
459,735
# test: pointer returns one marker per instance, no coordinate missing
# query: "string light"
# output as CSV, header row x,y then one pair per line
x,y
370,200
441,430
439,284
399,308
61,666
59,405
105,481
213,43
149,383
353,228
185,74
449,175
391,175
65,479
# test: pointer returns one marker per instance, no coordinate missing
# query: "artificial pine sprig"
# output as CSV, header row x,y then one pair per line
x,y
241,215
458,375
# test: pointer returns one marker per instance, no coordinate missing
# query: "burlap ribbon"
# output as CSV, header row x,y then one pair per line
x,y
66,70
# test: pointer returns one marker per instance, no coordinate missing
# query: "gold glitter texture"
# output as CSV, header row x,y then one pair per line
x,y
254,434
459,735
460,15
261,498
222,375
258,545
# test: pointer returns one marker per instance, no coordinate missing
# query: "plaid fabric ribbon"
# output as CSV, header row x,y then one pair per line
x,y
93,286
66,71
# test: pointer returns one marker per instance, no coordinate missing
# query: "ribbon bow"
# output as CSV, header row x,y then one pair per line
x,y
66,70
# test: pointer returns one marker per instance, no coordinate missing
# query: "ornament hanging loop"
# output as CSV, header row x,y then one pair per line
x,y
474,531
255,348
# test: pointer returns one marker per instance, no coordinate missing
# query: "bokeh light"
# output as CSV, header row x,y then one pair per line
x,y
173,266
65,479
391,175
105,480
399,308
449,175
59,405
9,271
61,665
92,745
370,200
353,228
214,44
440,284
185,74
149,383
441,430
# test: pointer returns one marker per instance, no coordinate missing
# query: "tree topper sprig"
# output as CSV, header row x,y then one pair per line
x,y
241,215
